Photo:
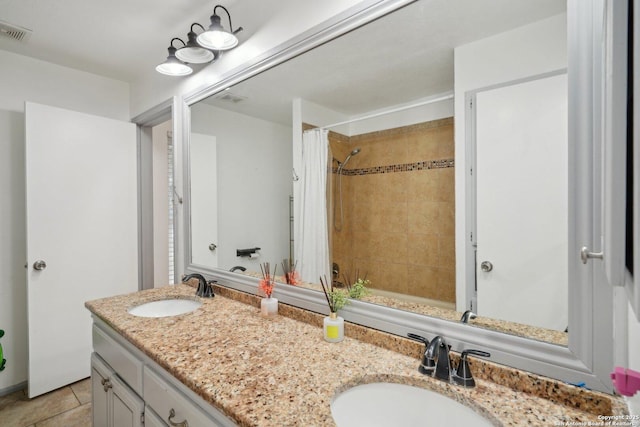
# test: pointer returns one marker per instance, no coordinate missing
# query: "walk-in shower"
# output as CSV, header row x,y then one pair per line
x,y
341,166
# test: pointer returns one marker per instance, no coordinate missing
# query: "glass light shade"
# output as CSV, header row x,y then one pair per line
x,y
218,39
194,55
173,67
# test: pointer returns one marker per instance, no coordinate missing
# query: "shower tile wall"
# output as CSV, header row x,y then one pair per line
x,y
399,209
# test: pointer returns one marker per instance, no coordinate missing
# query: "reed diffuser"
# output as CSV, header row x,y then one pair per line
x,y
291,276
333,325
357,288
268,305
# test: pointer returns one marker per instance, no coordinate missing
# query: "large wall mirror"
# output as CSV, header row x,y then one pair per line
x,y
448,173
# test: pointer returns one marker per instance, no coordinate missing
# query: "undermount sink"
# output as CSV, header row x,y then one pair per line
x,y
389,404
165,308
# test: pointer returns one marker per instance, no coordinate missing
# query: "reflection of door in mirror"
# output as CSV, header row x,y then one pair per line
x,y
521,191
252,187
204,200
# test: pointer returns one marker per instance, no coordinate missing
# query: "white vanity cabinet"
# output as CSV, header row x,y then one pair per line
x,y
113,403
130,389
151,419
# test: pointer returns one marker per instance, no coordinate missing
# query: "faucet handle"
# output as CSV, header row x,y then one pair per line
x,y
208,289
427,365
468,315
462,376
418,338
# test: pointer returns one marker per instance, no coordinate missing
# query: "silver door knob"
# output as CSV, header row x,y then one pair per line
x,y
486,266
39,265
212,247
586,255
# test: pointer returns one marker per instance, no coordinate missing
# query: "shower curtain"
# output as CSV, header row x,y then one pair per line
x,y
312,247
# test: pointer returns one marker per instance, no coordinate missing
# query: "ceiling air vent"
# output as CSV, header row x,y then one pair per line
x,y
230,97
14,32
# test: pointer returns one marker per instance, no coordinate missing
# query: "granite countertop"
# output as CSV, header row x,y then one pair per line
x,y
280,372
512,328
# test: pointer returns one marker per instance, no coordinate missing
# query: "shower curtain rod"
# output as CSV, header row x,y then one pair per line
x,y
390,111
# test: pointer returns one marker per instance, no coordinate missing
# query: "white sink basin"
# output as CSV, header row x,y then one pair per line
x,y
165,308
388,404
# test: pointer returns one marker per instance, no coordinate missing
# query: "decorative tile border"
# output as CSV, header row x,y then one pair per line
x,y
406,167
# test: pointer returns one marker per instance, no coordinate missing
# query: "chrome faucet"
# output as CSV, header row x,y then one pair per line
x,y
204,288
436,362
438,352
467,315
426,366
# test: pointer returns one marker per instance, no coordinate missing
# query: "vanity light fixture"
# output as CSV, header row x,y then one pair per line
x,y
173,66
200,49
216,37
193,53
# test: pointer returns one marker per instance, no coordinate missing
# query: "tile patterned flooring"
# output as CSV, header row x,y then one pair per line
x,y
66,407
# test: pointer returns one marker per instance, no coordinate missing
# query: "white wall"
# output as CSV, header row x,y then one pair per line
x,y
254,184
25,79
425,113
293,18
527,51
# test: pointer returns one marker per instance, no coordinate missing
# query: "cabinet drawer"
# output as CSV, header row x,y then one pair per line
x,y
151,419
162,397
128,367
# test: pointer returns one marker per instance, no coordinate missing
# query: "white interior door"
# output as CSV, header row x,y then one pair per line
x,y
82,223
521,187
204,200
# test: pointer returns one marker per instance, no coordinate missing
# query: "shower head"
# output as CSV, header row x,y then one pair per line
x,y
353,153
343,164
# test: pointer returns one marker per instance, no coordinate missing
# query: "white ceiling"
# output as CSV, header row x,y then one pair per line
x,y
404,56
121,39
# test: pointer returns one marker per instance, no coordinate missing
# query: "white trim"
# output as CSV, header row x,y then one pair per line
x,y
614,153
144,122
633,288
431,100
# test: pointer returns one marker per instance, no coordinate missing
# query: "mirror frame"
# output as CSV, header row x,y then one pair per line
x,y
589,355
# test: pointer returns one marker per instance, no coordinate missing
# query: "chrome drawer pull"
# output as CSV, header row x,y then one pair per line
x,y
172,414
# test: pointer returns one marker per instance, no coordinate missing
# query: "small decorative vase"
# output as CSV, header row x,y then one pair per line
x,y
333,328
269,306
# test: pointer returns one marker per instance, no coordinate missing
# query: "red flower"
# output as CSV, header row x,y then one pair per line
x,y
266,285
293,278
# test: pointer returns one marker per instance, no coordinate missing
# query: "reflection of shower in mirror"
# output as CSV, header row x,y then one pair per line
x,y
341,166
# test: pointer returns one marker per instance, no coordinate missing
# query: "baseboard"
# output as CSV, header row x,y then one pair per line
x,y
13,388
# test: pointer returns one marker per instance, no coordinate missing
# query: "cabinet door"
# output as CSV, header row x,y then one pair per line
x,y
151,419
99,392
127,408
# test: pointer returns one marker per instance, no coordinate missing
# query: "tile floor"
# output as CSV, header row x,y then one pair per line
x,y
66,407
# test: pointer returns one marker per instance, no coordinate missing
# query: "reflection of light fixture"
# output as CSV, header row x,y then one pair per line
x,y
173,66
216,37
192,52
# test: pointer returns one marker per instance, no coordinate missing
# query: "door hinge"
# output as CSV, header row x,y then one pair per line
x,y
142,418
471,171
471,236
